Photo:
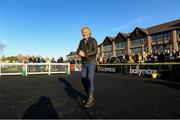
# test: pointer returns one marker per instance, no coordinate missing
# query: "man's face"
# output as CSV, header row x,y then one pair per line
x,y
86,34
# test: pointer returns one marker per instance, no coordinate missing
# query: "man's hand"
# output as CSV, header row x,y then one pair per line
x,y
81,53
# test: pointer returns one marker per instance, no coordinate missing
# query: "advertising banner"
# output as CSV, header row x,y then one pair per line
x,y
161,70
77,67
72,67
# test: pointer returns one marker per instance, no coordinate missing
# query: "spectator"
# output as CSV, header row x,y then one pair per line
x,y
53,60
60,60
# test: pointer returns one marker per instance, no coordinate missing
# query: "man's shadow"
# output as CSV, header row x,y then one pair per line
x,y
43,109
75,95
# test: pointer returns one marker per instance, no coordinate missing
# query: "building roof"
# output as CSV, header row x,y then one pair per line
x,y
72,53
164,27
125,35
143,30
172,25
108,40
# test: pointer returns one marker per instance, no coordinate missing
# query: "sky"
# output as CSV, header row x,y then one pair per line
x,y
52,28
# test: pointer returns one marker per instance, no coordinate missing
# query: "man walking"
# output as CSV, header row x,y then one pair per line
x,y
88,49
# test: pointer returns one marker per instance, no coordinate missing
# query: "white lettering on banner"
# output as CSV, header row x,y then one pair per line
x,y
142,71
104,69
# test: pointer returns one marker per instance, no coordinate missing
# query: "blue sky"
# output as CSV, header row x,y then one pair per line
x,y
51,28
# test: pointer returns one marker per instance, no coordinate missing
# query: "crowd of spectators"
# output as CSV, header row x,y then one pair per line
x,y
38,59
154,57
73,61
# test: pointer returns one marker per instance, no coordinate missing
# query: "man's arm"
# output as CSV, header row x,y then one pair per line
x,y
94,49
79,50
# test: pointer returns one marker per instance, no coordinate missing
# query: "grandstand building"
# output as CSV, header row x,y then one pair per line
x,y
159,38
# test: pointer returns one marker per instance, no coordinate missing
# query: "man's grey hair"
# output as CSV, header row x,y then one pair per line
x,y
86,28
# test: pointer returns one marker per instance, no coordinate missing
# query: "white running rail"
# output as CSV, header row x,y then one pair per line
x,y
25,69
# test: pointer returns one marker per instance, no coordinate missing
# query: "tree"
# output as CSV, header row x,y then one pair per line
x,y
2,47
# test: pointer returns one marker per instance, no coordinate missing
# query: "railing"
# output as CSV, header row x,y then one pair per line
x,y
33,68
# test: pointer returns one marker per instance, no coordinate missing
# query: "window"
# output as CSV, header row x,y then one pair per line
x,y
118,53
144,41
107,48
154,48
136,42
108,54
121,45
161,48
167,36
121,52
160,37
136,50
154,38
168,47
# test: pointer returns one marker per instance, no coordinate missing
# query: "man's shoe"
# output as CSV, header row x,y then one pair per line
x,y
90,101
89,104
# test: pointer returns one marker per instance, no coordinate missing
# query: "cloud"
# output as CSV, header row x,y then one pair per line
x,y
130,23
